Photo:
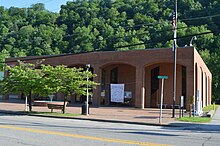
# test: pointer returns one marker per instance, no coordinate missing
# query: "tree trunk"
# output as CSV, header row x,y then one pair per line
x,y
190,110
64,104
29,101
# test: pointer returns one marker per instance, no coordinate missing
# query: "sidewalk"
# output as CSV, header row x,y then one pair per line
x,y
216,118
148,116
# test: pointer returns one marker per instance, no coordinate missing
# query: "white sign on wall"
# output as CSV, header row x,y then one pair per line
x,y
181,101
117,92
198,104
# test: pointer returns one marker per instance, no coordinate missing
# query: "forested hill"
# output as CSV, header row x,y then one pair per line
x,y
102,25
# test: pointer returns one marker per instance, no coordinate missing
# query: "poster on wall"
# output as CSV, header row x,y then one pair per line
x,y
117,92
128,94
198,104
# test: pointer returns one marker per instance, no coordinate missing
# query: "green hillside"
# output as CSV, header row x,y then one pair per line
x,y
112,25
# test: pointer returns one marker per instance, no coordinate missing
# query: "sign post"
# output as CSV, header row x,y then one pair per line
x,y
161,97
181,106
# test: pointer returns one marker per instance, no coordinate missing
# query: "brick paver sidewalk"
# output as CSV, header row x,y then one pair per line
x,y
123,114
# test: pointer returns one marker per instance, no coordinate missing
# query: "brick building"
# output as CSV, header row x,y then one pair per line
x,y
138,71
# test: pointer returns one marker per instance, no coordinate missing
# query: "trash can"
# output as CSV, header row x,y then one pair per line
x,y
84,108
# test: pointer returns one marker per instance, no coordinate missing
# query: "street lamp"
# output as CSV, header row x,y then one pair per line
x,y
191,41
87,89
174,56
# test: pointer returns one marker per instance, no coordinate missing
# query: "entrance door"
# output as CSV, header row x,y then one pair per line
x,y
154,87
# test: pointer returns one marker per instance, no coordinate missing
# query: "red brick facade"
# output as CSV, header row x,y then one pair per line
x,y
137,69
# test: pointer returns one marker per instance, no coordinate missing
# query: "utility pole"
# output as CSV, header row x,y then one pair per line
x,y
174,54
87,89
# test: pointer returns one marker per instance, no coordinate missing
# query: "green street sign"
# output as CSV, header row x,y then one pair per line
x,y
162,77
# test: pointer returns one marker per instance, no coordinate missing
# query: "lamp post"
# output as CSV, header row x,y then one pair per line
x,y
191,41
174,54
87,89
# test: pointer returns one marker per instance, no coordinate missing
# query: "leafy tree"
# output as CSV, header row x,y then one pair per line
x,y
66,80
23,78
83,37
3,55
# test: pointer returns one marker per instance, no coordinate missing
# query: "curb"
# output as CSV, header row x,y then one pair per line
x,y
101,120
91,119
12,112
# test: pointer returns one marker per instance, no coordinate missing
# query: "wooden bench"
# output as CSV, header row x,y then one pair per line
x,y
58,106
176,105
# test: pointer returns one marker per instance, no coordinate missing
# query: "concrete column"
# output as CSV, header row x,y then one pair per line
x,y
147,86
139,89
107,86
204,89
190,89
195,80
210,91
97,90
207,91
199,82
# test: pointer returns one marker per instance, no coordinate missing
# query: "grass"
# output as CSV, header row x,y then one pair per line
x,y
200,119
52,114
195,119
210,107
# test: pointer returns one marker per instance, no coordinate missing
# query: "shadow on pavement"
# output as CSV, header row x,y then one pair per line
x,y
195,127
11,113
151,133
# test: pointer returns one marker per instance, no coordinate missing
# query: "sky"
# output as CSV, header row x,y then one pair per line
x,y
51,5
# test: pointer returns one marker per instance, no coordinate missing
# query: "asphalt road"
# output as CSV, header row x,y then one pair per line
x,y
38,131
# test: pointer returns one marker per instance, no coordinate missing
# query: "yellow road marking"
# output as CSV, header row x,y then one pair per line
x,y
81,136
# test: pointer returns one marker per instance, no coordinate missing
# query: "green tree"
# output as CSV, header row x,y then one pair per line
x,y
3,55
23,78
66,80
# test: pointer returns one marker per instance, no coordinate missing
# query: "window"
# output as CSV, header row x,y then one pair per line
x,y
154,80
114,75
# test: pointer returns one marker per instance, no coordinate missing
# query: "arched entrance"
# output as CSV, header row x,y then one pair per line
x,y
153,84
118,73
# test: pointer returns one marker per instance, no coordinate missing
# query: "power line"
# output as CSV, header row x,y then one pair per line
x,y
146,42
69,35
40,57
149,24
115,28
186,19
114,38
160,31
203,17
59,55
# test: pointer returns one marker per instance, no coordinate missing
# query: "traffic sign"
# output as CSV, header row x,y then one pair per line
x,y
162,77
